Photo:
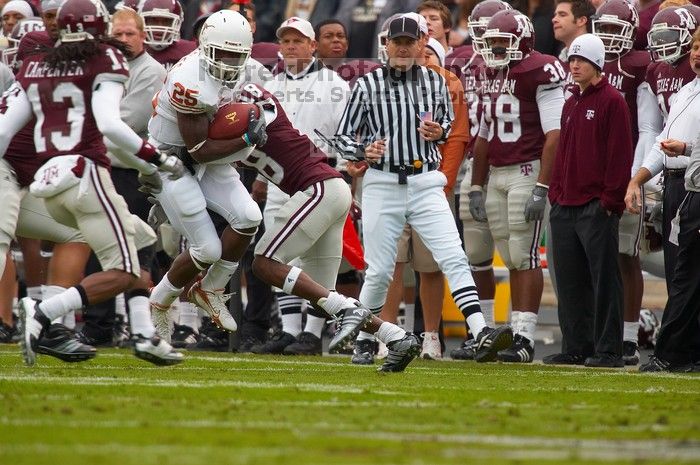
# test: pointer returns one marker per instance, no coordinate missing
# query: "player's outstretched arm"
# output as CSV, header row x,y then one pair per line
x,y
137,153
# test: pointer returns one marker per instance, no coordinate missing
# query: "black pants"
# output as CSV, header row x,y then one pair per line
x,y
674,193
679,336
589,285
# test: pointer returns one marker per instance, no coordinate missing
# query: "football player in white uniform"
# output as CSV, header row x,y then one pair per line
x,y
193,91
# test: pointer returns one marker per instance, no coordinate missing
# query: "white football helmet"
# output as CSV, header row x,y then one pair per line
x,y
162,20
225,42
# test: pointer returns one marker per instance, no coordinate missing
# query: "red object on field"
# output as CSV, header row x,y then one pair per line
x,y
231,120
352,247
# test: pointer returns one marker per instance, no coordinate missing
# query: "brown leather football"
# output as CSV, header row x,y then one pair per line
x,y
231,121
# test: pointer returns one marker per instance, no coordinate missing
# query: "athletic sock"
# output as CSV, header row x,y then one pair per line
x,y
165,293
631,331
218,275
60,304
389,332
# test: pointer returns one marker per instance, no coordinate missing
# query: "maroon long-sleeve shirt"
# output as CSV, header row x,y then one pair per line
x,y
594,156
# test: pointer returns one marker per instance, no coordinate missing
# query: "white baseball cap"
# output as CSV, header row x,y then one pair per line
x,y
422,23
589,47
300,25
18,6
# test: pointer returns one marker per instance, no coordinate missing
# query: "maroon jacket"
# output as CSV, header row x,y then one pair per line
x,y
594,156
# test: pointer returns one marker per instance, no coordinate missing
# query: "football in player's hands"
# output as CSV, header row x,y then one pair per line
x,y
231,120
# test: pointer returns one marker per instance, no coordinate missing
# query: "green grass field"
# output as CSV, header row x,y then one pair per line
x,y
245,409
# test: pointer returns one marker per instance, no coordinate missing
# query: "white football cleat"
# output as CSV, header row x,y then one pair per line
x,y
157,351
214,304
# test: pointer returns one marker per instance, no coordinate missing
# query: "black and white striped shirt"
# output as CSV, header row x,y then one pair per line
x,y
388,104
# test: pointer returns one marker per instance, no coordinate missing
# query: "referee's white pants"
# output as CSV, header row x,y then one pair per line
x,y
386,207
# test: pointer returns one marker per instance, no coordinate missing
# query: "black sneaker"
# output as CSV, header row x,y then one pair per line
x,y
351,322
184,337
247,344
121,336
401,353
275,345
211,337
465,351
521,351
61,342
630,353
307,344
564,359
7,333
604,361
658,365
490,341
363,353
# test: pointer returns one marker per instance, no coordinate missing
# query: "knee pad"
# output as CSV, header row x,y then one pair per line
x,y
524,257
205,254
478,242
248,217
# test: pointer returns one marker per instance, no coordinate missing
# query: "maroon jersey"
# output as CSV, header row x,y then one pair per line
x,y
665,80
626,74
510,108
458,59
291,160
61,101
172,54
352,70
21,152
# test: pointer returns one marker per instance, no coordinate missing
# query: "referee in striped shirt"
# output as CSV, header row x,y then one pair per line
x,y
393,122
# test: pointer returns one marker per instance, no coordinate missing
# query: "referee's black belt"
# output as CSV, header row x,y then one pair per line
x,y
410,170
674,172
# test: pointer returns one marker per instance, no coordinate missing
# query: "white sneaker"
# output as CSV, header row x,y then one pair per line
x,y
157,351
161,321
214,304
431,346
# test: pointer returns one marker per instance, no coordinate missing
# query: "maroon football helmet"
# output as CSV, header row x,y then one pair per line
x,y
479,18
671,33
80,20
509,36
616,23
21,28
162,20
130,4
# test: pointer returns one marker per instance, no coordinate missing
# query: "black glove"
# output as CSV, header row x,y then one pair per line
x,y
256,134
477,206
536,204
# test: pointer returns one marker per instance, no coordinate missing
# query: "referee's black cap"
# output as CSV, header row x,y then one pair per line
x,y
404,27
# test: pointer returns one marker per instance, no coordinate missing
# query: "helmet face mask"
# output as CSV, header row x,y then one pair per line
x,y
510,37
21,28
225,44
616,23
671,34
478,21
161,22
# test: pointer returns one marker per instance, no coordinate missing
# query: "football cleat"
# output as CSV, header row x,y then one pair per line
x,y
630,353
184,337
7,333
659,365
61,342
363,353
490,341
121,336
214,304
521,351
157,351
431,346
465,351
276,345
306,344
31,325
161,321
401,353
352,320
